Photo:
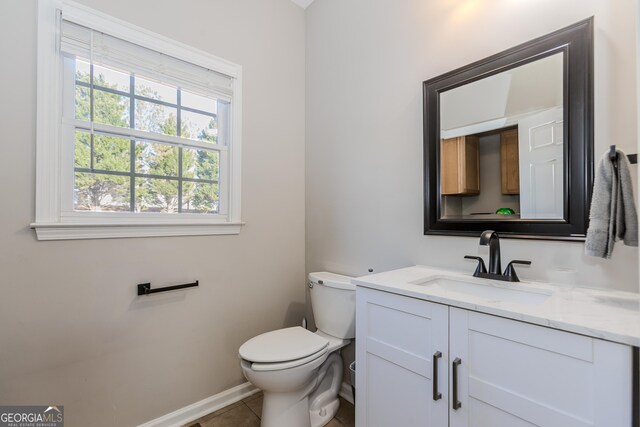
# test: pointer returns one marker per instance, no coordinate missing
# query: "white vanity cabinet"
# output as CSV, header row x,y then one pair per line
x,y
398,339
492,372
516,374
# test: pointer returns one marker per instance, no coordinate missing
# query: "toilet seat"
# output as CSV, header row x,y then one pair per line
x,y
283,348
278,366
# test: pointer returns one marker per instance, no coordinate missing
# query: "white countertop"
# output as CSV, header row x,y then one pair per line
x,y
609,315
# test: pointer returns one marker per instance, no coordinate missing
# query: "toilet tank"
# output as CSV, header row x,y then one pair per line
x,y
333,300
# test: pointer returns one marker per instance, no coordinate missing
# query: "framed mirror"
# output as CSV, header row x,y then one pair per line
x,y
508,141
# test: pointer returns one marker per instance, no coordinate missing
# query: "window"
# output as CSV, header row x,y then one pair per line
x,y
146,130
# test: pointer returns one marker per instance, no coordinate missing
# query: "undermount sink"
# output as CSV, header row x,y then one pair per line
x,y
491,291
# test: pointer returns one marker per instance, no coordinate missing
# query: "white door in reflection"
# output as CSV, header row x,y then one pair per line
x,y
541,149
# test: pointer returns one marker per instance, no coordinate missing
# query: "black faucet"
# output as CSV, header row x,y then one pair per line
x,y
490,238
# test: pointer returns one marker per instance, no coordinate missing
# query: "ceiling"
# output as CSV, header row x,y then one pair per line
x,y
303,3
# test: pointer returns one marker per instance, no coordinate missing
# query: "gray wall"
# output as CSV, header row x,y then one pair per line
x,y
71,330
366,61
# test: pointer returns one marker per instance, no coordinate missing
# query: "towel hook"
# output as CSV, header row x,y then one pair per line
x,y
613,155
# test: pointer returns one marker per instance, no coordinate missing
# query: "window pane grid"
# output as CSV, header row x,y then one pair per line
x,y
108,130
186,145
146,99
179,134
196,181
145,175
132,149
201,125
92,150
91,98
104,88
195,176
91,107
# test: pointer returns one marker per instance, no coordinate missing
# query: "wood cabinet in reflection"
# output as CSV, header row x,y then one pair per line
x,y
509,162
460,166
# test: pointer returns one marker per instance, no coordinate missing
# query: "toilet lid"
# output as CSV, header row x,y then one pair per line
x,y
282,345
278,366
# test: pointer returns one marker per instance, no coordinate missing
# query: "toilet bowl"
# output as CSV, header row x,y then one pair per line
x,y
299,371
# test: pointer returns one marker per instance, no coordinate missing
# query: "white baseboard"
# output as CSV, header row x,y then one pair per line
x,y
211,404
206,406
346,393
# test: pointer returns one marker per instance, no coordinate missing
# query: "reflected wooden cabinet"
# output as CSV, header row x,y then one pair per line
x,y
460,166
509,162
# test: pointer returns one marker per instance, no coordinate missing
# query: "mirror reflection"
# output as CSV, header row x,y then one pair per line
x,y
501,146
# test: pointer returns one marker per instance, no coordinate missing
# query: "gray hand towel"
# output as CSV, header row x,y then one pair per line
x,y
613,212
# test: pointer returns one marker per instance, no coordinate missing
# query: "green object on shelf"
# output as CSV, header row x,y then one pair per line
x,y
505,211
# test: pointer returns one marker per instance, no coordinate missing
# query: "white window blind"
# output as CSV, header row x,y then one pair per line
x,y
104,49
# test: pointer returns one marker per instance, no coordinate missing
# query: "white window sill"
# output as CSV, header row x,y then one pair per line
x,y
73,231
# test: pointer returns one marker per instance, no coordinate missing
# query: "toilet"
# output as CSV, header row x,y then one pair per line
x,y
299,371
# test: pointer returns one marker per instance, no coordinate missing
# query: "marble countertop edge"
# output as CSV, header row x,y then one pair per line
x,y
596,313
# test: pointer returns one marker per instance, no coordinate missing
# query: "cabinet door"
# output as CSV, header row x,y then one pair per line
x,y
470,165
397,341
460,166
450,173
509,162
514,374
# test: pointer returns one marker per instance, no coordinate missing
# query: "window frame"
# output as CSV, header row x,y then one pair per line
x,y
54,155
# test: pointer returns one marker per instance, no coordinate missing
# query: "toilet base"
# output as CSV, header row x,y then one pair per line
x,y
285,410
314,405
323,401
280,410
322,416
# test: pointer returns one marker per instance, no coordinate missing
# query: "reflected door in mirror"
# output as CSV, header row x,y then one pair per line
x,y
541,163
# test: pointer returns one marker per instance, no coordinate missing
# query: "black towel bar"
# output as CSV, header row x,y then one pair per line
x,y
145,288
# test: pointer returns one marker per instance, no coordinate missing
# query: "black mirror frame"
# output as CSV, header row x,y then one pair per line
x,y
576,41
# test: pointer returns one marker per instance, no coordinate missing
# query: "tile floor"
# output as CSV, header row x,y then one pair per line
x,y
246,413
